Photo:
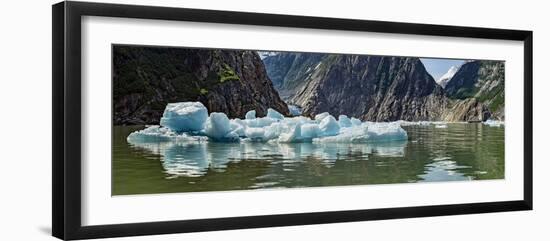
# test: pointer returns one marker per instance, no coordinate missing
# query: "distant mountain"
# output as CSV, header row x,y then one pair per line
x,y
290,70
483,81
443,80
372,88
264,54
383,88
145,79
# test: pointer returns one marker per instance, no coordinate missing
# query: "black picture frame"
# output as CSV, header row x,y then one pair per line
x,y
66,127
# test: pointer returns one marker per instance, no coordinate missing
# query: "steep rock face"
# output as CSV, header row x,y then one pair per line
x,y
289,70
372,88
466,110
145,79
482,81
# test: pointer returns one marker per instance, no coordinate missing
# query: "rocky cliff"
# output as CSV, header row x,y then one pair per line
x,y
145,79
374,88
480,81
382,88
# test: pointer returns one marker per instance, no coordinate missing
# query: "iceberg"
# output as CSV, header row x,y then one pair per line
x,y
320,117
344,121
255,133
273,114
309,131
152,134
156,134
386,132
188,122
329,126
218,128
375,132
494,123
355,121
250,115
294,135
184,116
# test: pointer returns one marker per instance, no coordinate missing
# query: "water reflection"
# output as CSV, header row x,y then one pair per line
x,y
458,152
194,159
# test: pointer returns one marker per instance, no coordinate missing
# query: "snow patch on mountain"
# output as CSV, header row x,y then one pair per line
x,y
447,76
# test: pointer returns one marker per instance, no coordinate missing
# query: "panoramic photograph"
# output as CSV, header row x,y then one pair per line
x,y
203,119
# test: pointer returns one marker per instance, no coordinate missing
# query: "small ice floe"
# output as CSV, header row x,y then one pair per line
x,y
189,121
494,123
185,116
441,126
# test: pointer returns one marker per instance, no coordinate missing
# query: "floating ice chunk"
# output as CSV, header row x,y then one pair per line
x,y
329,126
386,132
188,121
274,130
355,121
151,134
184,116
294,110
355,134
320,117
494,123
309,131
255,133
156,134
375,132
273,114
259,122
251,114
441,126
218,128
237,127
294,135
344,121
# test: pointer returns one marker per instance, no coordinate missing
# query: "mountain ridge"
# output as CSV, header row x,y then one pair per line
x,y
145,79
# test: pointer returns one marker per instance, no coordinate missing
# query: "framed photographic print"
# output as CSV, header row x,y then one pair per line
x,y
171,120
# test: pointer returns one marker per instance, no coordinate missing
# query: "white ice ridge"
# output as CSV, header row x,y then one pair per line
x,y
494,123
189,121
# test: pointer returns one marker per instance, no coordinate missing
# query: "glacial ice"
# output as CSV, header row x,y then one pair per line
x,y
494,123
250,115
273,114
355,121
189,122
294,110
218,127
184,116
344,121
329,126
320,117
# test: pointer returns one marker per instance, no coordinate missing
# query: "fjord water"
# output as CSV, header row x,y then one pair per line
x,y
457,153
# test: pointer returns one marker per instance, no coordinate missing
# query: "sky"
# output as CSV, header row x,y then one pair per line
x,y
438,67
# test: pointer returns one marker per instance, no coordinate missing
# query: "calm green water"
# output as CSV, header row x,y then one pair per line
x,y
459,152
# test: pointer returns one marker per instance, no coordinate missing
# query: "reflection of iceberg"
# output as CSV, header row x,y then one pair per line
x,y
443,169
182,159
192,159
189,121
